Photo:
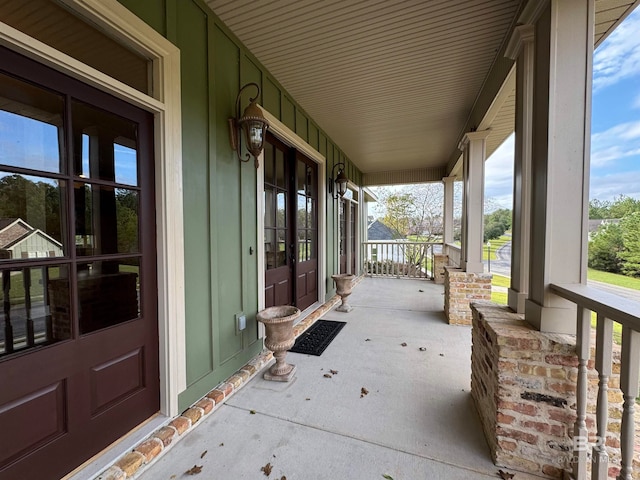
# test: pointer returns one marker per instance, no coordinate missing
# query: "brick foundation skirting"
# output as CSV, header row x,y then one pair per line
x,y
460,290
158,443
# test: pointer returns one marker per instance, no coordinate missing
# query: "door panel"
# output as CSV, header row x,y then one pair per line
x,y
342,247
306,227
352,233
78,326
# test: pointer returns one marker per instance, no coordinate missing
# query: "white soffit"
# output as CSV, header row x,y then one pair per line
x,y
392,82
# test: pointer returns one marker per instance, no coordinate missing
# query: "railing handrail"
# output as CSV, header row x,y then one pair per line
x,y
401,240
612,306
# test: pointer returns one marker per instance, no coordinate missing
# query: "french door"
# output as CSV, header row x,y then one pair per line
x,y
78,325
290,226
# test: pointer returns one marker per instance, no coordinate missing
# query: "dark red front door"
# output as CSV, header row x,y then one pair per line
x,y
290,226
78,325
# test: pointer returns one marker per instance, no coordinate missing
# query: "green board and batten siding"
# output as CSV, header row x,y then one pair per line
x,y
220,192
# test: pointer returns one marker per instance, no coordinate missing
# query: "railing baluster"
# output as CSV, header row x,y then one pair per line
x,y
581,433
630,370
604,351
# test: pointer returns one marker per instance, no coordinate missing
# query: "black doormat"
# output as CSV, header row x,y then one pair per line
x,y
315,340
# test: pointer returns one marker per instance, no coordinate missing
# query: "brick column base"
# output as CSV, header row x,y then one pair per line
x,y
439,262
523,384
460,290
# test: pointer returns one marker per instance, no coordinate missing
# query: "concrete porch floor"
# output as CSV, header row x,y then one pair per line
x,y
417,421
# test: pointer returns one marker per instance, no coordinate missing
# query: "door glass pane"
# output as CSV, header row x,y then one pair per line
x,y
108,293
303,251
106,220
282,210
270,249
31,217
35,307
281,256
105,145
30,133
269,208
302,211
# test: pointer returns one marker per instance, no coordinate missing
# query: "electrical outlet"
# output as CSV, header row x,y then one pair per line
x,y
241,322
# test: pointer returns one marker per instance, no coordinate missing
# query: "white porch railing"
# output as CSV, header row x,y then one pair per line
x,y
609,308
399,258
453,252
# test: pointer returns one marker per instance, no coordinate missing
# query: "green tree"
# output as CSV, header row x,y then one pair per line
x,y
623,206
599,209
605,247
496,223
630,226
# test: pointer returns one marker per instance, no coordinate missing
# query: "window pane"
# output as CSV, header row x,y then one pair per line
x,y
35,307
106,220
30,133
105,145
31,217
108,293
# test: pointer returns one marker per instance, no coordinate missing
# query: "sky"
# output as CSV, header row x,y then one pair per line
x,y
615,124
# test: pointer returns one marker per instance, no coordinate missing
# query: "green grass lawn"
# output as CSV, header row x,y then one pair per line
x,y
500,281
499,297
496,243
613,279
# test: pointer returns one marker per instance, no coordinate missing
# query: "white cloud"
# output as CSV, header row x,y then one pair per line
x,y
636,102
619,141
498,176
608,187
618,57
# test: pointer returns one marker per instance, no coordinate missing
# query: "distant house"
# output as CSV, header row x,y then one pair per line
x,y
18,239
379,231
594,224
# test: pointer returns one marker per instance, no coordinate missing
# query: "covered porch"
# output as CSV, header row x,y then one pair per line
x,y
417,421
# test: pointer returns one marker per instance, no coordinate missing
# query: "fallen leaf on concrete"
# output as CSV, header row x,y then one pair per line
x,y
326,375
442,354
307,398
367,339
505,475
203,454
389,477
422,349
421,290
267,469
404,344
172,477
334,372
252,412
221,445
194,470
283,478
363,392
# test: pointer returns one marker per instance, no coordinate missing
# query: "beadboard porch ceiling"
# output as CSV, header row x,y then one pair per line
x,y
392,82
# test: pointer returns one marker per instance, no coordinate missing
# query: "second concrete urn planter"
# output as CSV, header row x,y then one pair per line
x,y
344,285
278,322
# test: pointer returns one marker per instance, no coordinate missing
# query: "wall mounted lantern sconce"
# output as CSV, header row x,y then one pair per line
x,y
252,123
340,180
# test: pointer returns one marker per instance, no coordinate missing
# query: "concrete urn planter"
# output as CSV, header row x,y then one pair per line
x,y
344,285
278,322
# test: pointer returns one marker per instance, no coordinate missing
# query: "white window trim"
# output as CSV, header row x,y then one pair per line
x,y
165,105
290,138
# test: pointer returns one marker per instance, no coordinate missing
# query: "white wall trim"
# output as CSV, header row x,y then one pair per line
x,y
289,137
165,105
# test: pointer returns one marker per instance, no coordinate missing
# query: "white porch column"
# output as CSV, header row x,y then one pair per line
x,y
521,49
560,159
447,220
473,149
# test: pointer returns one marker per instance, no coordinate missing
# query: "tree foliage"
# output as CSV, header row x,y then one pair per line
x,y
496,223
605,247
618,208
630,226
